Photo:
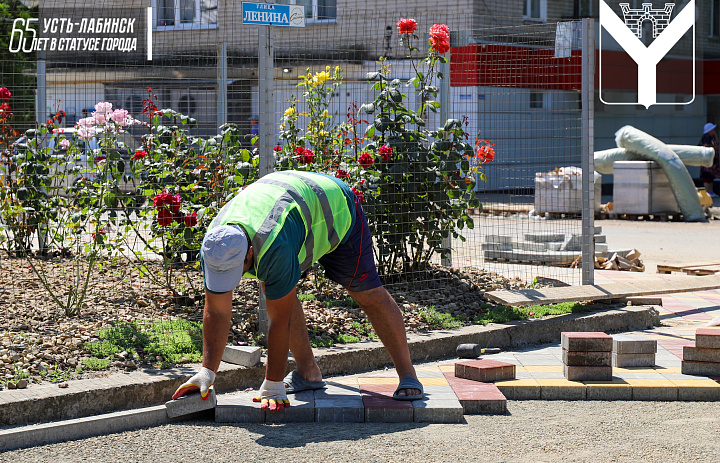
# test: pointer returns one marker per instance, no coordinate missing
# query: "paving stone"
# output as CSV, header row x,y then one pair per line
x,y
544,237
701,368
586,359
484,371
586,341
191,403
617,389
633,344
633,360
430,410
238,408
301,409
500,239
708,338
561,389
653,389
246,356
484,400
578,373
697,389
345,409
698,354
520,389
387,410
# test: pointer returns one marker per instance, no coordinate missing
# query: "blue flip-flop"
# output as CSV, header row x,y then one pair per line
x,y
296,383
409,383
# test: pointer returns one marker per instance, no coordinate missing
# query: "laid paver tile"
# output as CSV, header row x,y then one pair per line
x,y
301,409
433,381
368,380
432,410
561,389
544,368
238,408
616,389
520,389
653,389
345,409
694,389
387,410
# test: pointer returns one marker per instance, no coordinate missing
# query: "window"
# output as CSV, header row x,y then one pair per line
x,y
715,18
535,10
587,8
316,10
187,105
536,100
184,14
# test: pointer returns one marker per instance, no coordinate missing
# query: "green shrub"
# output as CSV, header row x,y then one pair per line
x,y
94,363
347,339
438,319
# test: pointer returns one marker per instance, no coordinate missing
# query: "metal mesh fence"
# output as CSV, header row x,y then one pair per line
x,y
497,187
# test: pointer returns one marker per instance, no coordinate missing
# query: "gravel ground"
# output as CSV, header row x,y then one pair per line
x,y
533,431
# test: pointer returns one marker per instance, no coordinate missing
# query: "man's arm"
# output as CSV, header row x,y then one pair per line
x,y
278,341
216,326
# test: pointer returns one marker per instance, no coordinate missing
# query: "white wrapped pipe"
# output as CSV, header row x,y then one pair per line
x,y
690,156
681,183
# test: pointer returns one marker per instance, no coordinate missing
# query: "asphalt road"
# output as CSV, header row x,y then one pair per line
x,y
535,431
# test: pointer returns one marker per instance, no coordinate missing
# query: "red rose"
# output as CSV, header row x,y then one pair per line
x,y
5,107
191,220
307,156
359,194
406,26
440,38
277,148
174,204
341,174
165,218
5,93
366,160
100,232
139,154
486,153
385,152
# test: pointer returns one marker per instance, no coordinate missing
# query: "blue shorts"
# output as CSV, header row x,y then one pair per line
x,y
352,264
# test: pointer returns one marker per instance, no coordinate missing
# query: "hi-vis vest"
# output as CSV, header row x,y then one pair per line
x,y
262,208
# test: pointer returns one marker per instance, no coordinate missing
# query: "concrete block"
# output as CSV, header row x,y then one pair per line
x,y
500,239
544,237
586,341
495,247
633,360
700,368
586,359
600,239
692,353
578,373
485,371
708,338
484,400
387,410
301,409
246,356
697,389
633,344
529,246
344,409
653,389
238,408
189,404
601,248
429,410
561,389
617,389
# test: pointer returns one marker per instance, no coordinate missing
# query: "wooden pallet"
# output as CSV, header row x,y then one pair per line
x,y
690,269
674,217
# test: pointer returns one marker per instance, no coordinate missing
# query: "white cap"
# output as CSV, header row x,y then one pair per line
x,y
223,252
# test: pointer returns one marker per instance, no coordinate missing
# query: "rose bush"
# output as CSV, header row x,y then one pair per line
x,y
415,184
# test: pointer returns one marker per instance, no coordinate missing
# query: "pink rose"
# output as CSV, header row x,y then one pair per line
x,y
5,93
64,143
385,152
103,107
120,116
359,194
440,38
86,122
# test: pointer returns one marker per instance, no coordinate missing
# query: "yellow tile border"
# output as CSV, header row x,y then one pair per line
x,y
545,382
434,381
650,382
616,382
693,383
447,368
522,382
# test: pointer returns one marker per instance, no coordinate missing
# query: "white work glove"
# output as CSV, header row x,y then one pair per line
x,y
201,381
272,395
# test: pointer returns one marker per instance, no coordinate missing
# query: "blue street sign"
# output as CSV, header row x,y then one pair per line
x,y
269,14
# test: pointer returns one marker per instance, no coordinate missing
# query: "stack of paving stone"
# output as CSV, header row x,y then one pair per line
x,y
587,356
702,357
633,351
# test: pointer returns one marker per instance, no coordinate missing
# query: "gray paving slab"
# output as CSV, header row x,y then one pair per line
x,y
633,360
344,409
389,415
633,344
680,376
655,393
238,408
431,410
301,409
189,404
624,375
246,356
546,375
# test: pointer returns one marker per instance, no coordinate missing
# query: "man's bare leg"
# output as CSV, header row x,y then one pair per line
x,y
300,346
387,320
